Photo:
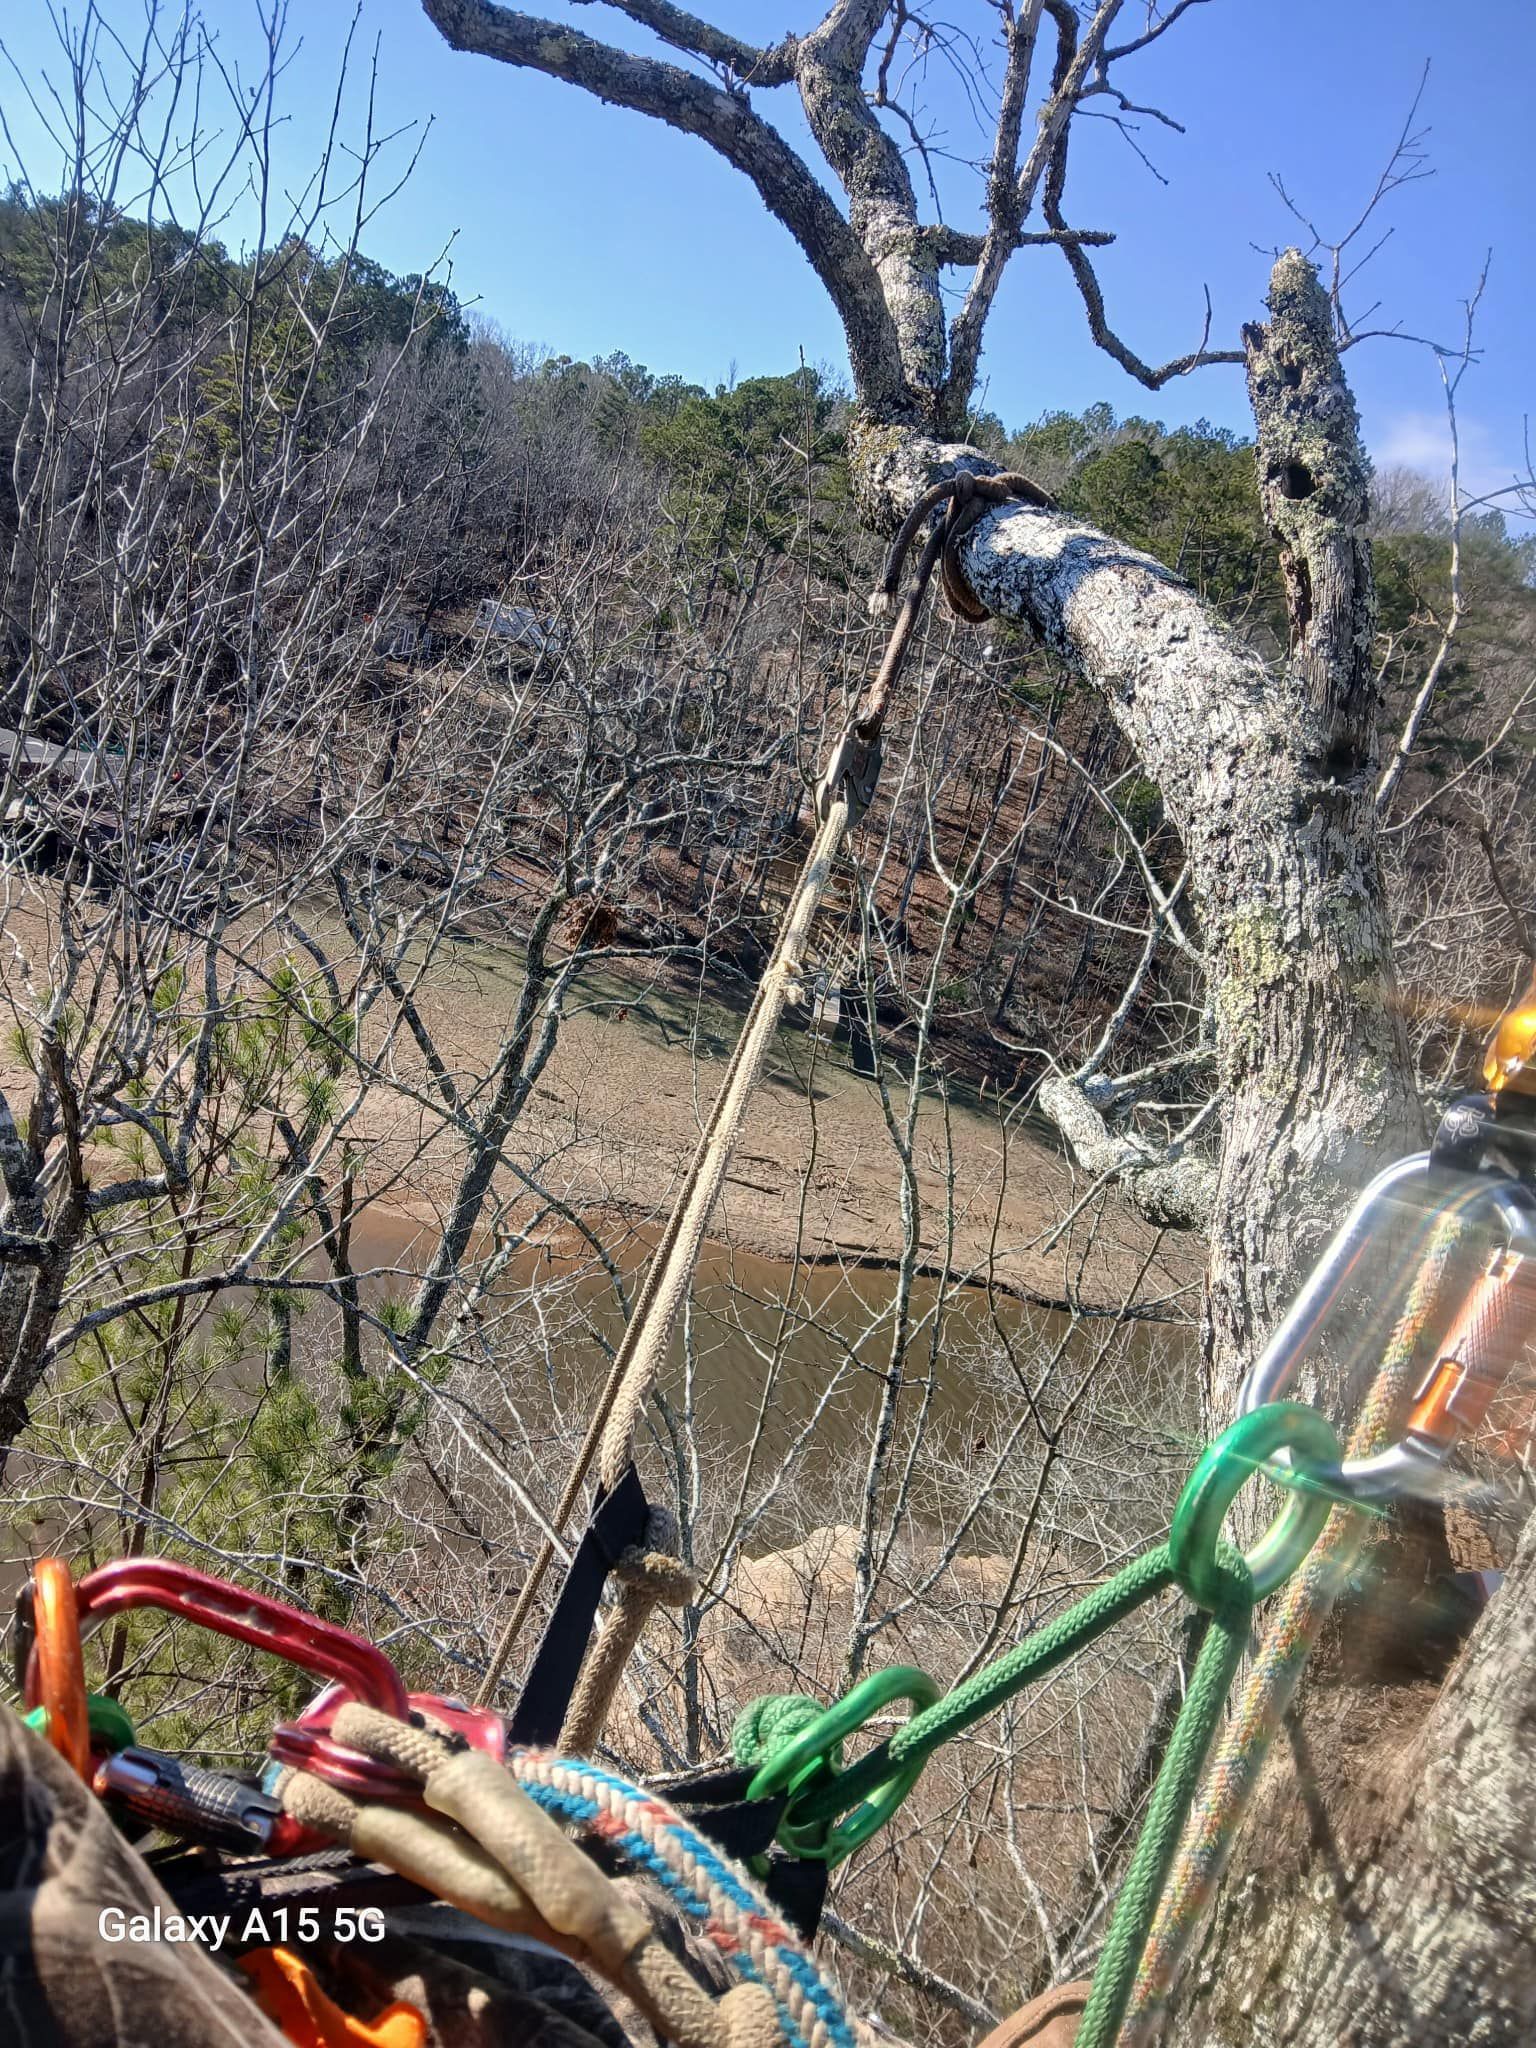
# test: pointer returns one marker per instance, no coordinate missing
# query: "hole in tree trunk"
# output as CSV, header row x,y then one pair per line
x,y
1344,761
1295,480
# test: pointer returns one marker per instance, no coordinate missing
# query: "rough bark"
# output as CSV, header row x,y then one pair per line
x,y
1265,774
1392,1905
1425,1934
882,206
1314,483
1173,1193
1283,866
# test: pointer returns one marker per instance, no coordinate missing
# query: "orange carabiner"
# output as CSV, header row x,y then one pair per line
x,y
59,1664
1476,1356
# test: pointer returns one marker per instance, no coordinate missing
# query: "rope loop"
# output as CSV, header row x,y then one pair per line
x,y
654,1569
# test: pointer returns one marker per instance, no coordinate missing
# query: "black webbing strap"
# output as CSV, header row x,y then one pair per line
x,y
716,1803
619,1519
200,1882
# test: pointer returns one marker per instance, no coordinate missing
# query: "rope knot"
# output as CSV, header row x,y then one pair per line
x,y
770,1724
657,1575
653,1568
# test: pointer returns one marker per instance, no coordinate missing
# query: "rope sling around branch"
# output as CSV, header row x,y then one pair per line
x,y
842,795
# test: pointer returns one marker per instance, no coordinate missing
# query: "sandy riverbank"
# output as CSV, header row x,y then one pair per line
x,y
614,1120
611,1126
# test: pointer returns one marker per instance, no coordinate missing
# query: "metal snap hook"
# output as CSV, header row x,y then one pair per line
x,y
1466,1373
812,1760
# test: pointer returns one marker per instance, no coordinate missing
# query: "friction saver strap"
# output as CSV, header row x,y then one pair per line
x,y
619,1522
966,496
962,498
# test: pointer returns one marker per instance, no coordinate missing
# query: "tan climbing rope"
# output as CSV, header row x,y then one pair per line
x,y
650,1578
485,1846
841,798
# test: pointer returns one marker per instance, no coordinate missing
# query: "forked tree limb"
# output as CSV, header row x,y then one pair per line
x,y
879,261
726,121
1284,873
1263,770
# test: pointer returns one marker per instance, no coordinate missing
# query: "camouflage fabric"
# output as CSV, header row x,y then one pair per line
x,y
62,1983
68,1877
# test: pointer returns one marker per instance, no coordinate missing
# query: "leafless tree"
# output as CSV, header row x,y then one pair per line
x,y
1269,771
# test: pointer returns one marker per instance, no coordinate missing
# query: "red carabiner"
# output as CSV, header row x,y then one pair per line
x,y
255,1618
308,1745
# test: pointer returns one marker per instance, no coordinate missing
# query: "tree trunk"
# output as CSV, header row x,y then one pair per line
x,y
1286,883
1392,1903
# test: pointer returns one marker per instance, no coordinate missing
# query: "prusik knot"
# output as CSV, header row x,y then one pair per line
x,y
657,1571
770,1724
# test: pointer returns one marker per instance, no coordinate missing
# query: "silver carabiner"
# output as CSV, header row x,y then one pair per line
x,y
1456,1391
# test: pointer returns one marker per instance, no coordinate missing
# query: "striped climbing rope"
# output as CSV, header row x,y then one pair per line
x,y
1232,1775
717,1900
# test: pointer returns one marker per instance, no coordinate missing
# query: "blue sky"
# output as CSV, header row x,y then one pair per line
x,y
586,229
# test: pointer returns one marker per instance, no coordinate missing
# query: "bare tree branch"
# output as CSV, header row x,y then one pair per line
x,y
727,123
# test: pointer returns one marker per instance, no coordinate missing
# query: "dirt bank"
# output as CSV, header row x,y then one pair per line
x,y
613,1124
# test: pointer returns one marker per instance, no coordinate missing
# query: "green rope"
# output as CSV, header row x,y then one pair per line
x,y
987,1690
830,1811
980,1695
1178,1781
1257,1712
769,1724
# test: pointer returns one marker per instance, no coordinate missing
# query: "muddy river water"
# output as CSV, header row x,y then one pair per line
x,y
774,1344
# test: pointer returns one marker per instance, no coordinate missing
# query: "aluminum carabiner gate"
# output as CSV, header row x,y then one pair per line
x,y
1474,1358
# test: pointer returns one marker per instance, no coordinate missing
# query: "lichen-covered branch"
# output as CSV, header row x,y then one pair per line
x,y
1013,186
882,205
1264,772
684,31
1175,1193
1284,877
882,263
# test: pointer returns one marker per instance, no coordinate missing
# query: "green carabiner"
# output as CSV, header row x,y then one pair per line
x,y
811,1759
109,1723
1226,1465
